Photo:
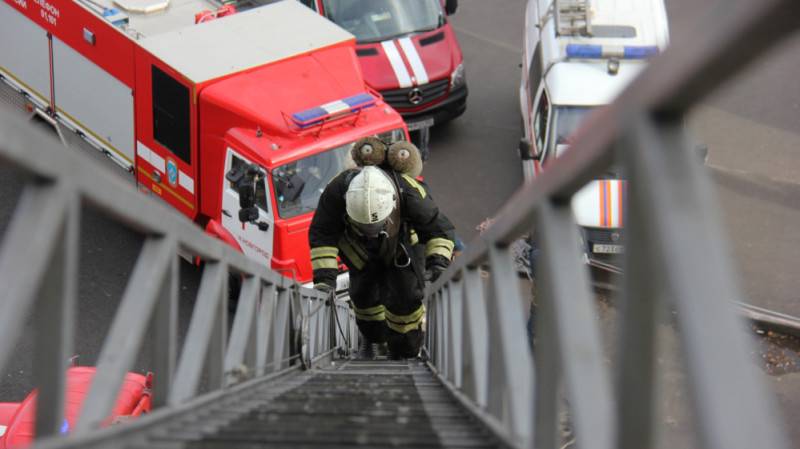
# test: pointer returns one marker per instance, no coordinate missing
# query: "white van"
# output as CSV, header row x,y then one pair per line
x,y
578,55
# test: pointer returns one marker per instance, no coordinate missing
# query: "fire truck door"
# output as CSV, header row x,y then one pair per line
x,y
166,153
255,242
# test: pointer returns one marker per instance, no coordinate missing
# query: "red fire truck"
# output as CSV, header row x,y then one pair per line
x,y
236,118
409,52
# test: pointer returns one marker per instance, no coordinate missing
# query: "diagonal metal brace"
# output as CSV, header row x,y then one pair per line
x,y
27,248
128,330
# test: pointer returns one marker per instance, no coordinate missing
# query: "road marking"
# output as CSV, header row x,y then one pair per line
x,y
512,48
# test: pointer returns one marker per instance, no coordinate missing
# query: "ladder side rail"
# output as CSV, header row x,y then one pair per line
x,y
454,316
476,338
30,241
39,260
446,326
237,365
279,352
55,311
165,335
38,265
635,377
128,329
264,327
732,411
567,303
547,389
695,65
202,339
512,365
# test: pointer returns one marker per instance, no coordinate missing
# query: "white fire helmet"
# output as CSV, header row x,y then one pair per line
x,y
370,199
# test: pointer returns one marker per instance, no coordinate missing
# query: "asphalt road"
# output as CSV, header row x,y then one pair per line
x,y
474,165
751,127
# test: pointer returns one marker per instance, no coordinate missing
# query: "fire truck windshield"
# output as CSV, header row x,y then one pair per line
x,y
299,184
380,20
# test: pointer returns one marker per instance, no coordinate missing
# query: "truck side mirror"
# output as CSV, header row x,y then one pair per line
x,y
450,7
247,195
234,175
526,150
248,214
244,179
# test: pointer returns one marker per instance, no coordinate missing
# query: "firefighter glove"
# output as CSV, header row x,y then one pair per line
x,y
435,265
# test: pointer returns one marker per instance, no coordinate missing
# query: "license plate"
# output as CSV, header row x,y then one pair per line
x,y
608,249
427,123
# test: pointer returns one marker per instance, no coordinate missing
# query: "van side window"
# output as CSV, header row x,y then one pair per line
x,y
535,71
540,121
310,3
261,188
171,115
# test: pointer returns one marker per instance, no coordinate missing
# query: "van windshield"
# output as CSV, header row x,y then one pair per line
x,y
567,120
299,184
380,20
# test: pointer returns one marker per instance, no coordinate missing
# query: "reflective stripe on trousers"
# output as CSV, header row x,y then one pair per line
x,y
405,323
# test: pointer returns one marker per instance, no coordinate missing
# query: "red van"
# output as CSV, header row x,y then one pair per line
x,y
408,52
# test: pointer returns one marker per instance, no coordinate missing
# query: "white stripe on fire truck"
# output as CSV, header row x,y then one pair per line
x,y
143,151
399,67
413,58
186,181
151,156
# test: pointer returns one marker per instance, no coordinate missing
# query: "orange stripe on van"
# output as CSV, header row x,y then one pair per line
x,y
602,204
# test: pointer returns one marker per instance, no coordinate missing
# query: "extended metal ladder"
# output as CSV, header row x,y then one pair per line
x,y
573,17
481,386
349,403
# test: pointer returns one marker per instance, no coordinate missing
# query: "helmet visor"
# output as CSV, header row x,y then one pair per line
x,y
371,230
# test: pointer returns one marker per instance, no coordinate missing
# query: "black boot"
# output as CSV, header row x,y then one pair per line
x,y
405,346
367,350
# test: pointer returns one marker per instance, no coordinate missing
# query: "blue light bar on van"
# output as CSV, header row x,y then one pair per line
x,y
591,51
345,106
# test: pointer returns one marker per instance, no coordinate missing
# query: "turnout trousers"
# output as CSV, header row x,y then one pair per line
x,y
388,303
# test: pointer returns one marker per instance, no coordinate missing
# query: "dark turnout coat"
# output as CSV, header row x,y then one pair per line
x,y
420,222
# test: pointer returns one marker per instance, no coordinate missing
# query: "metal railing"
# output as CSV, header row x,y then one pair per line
x,y
477,341
277,322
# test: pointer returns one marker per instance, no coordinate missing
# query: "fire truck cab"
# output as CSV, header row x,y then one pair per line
x,y
408,52
237,119
578,56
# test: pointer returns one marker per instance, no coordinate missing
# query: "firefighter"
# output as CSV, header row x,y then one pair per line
x,y
388,231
